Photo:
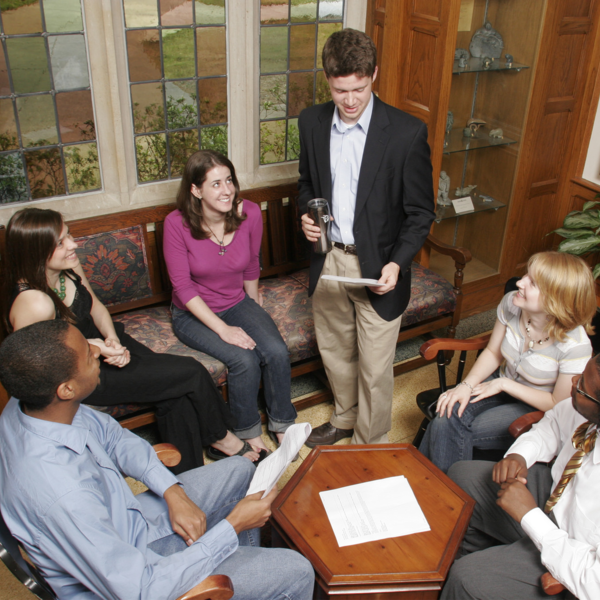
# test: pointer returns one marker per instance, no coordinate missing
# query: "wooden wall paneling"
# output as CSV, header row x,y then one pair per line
x,y
375,27
567,51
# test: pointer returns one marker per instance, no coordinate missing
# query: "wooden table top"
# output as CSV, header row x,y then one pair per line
x,y
420,560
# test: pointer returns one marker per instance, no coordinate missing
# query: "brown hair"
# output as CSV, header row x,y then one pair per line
x,y
32,235
349,52
195,172
566,289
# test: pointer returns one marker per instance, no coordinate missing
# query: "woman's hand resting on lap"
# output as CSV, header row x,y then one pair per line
x,y
114,353
447,400
236,336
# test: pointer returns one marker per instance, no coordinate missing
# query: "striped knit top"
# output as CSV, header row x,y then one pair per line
x,y
539,368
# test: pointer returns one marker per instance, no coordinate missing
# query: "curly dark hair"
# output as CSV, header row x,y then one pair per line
x,y
195,172
35,360
349,52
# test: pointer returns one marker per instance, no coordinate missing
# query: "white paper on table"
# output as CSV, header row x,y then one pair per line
x,y
354,280
374,510
272,468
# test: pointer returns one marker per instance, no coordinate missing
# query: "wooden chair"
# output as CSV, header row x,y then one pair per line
x,y
214,587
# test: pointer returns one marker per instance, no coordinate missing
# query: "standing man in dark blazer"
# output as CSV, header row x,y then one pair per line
x,y
371,162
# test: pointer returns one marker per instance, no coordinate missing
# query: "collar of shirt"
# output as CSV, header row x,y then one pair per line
x,y
72,436
364,120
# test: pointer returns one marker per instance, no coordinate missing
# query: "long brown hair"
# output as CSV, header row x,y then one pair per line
x,y
32,235
195,172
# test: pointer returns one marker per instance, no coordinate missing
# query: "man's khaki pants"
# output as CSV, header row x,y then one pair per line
x,y
357,347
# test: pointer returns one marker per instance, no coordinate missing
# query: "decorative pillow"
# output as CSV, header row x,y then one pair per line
x,y
116,265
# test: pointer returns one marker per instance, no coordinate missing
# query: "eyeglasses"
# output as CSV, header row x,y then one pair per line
x,y
584,394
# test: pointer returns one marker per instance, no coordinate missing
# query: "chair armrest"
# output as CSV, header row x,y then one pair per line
x,y
167,454
460,255
524,423
430,349
551,586
214,587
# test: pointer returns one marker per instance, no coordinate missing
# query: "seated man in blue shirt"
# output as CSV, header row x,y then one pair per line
x,y
63,495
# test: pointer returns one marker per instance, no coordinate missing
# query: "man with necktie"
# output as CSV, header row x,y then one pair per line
x,y
531,518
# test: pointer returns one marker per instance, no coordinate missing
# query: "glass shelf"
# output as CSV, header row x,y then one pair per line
x,y
458,143
448,212
474,66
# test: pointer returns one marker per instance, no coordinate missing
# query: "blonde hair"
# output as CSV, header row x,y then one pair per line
x,y
567,291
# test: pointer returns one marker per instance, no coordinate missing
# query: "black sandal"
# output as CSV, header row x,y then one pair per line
x,y
216,454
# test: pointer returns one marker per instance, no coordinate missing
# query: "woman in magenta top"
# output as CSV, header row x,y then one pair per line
x,y
211,246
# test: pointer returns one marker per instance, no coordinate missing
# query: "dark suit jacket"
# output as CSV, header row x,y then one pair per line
x,y
394,199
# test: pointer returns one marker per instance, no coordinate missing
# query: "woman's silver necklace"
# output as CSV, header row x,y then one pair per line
x,y
532,342
222,247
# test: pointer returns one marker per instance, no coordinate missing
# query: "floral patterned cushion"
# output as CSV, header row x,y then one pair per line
x,y
116,265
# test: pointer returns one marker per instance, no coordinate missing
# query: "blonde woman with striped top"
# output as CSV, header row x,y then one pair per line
x,y
538,343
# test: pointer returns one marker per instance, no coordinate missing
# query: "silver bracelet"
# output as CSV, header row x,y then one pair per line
x,y
467,384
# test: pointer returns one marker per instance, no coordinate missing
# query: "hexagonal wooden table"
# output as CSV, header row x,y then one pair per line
x,y
402,568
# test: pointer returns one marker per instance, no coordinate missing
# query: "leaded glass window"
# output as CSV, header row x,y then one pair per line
x,y
47,127
292,35
177,58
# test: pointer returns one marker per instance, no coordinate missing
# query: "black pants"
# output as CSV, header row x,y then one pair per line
x,y
190,411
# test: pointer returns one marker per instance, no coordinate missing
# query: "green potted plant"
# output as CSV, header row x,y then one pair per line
x,y
581,230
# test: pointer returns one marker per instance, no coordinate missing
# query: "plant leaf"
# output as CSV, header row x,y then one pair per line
x,y
573,233
589,205
578,220
579,246
596,272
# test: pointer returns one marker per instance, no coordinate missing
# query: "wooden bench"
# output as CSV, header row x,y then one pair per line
x,y
123,259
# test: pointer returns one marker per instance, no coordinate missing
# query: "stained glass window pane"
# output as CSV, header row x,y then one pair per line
x,y
17,20
48,78
293,80
212,51
63,15
28,64
210,12
189,46
69,62
140,13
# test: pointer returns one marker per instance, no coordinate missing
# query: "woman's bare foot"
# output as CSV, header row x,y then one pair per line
x,y
231,445
257,443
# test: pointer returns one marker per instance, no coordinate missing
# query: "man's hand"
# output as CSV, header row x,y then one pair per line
x,y
187,520
389,277
252,512
515,499
311,231
511,467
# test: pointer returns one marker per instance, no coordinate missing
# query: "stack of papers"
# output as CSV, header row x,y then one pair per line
x,y
273,467
375,510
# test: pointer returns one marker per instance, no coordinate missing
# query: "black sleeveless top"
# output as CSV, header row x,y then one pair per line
x,y
81,306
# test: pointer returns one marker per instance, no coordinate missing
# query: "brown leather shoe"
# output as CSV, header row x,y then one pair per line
x,y
327,434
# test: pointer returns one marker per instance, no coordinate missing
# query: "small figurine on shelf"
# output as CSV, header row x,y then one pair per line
x,y
472,126
462,56
485,198
464,191
486,42
443,198
509,60
486,61
449,123
497,133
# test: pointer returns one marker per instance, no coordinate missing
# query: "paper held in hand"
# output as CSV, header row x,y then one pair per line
x,y
376,510
273,467
353,280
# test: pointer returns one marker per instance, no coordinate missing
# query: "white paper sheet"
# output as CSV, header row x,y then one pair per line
x,y
355,280
272,468
375,510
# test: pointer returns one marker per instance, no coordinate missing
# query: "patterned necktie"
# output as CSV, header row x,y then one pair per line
x,y
584,440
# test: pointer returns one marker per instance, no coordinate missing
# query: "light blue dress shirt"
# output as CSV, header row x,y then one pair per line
x,y
63,496
346,148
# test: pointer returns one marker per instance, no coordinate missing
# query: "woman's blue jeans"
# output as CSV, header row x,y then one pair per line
x,y
270,359
484,425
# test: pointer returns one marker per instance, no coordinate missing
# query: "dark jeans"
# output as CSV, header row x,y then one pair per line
x,y
190,411
269,359
484,424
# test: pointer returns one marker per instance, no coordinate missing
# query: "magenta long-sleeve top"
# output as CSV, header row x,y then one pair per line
x,y
197,269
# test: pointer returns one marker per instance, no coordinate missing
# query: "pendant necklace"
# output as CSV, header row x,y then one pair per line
x,y
222,248
63,287
531,340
